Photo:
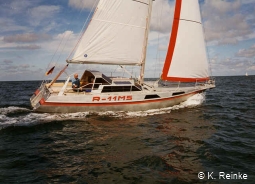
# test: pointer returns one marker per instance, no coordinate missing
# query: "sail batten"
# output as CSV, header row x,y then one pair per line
x,y
186,59
115,34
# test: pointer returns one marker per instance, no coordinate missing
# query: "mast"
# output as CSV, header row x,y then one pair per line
x,y
141,80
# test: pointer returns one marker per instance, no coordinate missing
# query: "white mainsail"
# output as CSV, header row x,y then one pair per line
x,y
186,60
116,34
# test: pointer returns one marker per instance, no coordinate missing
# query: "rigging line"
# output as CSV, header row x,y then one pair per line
x,y
55,53
158,52
125,70
159,60
145,42
207,53
69,34
83,29
157,44
46,69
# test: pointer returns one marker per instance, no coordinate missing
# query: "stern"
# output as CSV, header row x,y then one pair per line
x,y
39,96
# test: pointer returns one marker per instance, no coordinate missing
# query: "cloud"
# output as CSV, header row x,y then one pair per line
x,y
13,7
20,72
67,34
7,62
162,16
63,42
13,15
224,22
230,66
9,65
248,53
9,25
81,4
252,68
41,13
24,66
18,7
11,68
26,38
227,30
26,15
28,47
17,68
221,7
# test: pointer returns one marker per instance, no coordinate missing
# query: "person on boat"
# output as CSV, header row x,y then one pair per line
x,y
75,81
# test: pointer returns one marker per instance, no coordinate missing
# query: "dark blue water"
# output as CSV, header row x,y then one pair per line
x,y
216,137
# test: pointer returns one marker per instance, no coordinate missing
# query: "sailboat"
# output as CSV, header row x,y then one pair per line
x,y
118,35
246,74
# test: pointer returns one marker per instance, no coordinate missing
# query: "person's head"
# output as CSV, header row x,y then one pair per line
x,y
75,76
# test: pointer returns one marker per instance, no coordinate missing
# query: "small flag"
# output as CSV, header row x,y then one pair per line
x,y
50,71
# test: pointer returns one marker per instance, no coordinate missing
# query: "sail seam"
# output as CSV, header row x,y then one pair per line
x,y
102,62
120,23
141,2
191,21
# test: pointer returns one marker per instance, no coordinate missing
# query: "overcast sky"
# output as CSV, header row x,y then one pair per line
x,y
37,34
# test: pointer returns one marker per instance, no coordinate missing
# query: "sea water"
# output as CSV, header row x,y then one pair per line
x,y
207,139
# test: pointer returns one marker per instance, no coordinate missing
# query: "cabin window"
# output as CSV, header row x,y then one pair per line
x,y
151,96
178,93
119,89
122,82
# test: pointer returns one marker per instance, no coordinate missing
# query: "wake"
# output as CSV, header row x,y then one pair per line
x,y
17,116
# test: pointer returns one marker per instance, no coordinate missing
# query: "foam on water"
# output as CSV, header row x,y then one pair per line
x,y
12,109
195,100
28,118
25,117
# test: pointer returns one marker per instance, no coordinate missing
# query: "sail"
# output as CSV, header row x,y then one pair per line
x,y
116,34
186,59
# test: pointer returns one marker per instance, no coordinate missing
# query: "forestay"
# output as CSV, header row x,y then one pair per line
x,y
116,34
186,59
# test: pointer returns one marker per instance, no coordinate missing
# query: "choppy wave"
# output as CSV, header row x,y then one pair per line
x,y
25,117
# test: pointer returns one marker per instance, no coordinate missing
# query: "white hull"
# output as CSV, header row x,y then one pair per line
x,y
64,107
